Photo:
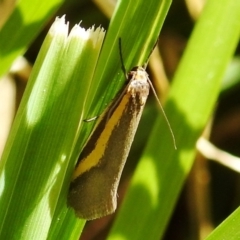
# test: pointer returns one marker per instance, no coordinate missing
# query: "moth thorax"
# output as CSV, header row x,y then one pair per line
x,y
139,89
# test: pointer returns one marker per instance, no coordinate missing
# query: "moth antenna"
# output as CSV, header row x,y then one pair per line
x,y
121,57
149,55
150,83
164,114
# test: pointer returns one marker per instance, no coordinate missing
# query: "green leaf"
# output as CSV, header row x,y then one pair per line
x,y
138,25
228,229
37,153
22,27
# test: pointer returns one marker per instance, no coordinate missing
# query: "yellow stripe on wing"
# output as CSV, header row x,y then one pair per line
x,y
93,159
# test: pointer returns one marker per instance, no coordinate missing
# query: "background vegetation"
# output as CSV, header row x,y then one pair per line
x,y
168,194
